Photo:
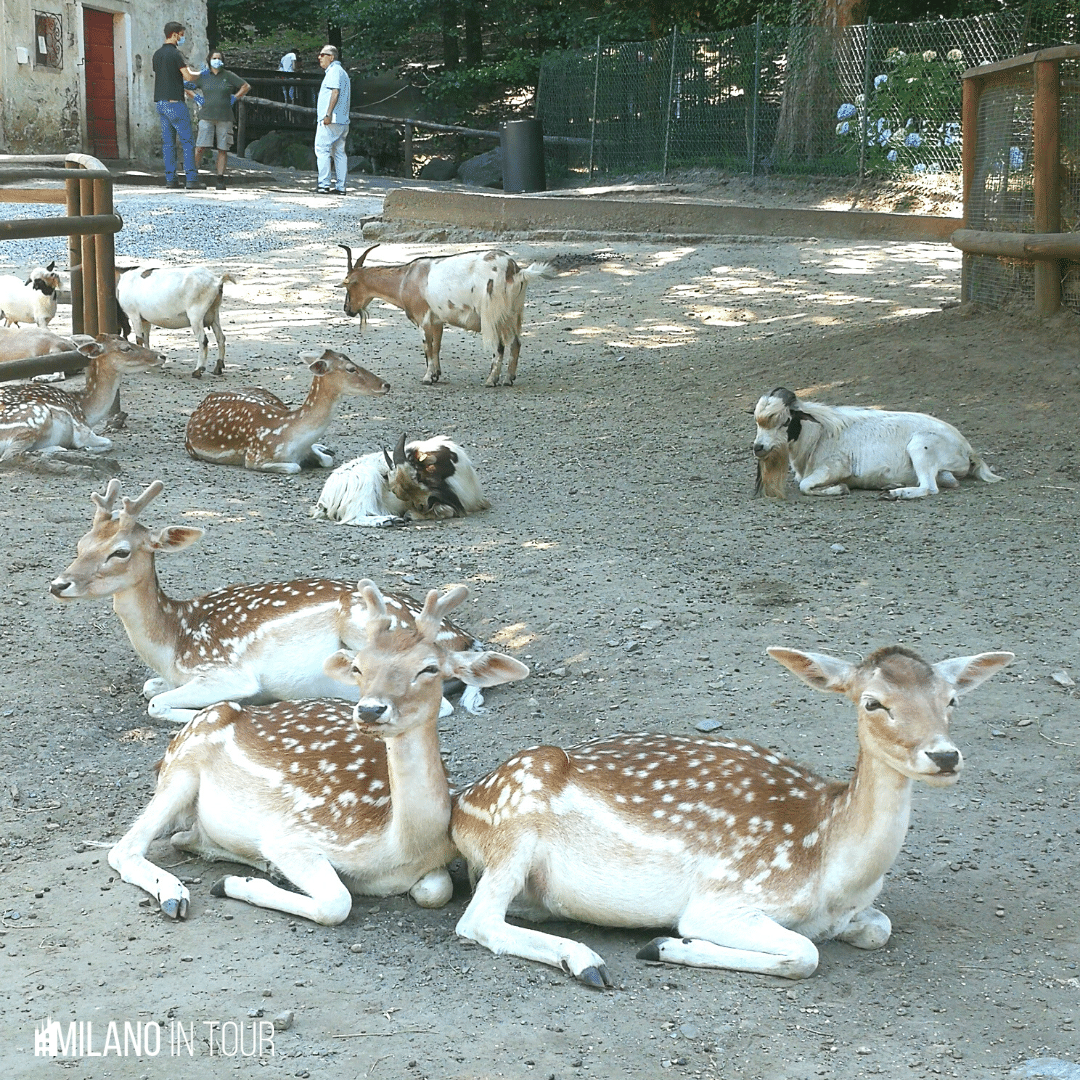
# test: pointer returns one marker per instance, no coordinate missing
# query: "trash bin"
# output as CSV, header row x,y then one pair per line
x,y
523,156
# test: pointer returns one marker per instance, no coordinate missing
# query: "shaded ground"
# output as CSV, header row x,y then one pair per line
x,y
625,560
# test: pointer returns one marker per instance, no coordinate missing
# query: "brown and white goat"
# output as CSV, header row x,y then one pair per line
x,y
30,301
340,799
174,297
423,481
749,857
831,449
35,416
256,429
482,291
248,643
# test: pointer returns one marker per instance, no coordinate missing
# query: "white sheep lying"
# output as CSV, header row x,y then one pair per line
x,y
834,448
31,301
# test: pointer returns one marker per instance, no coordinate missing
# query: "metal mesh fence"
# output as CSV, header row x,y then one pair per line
x,y
1003,187
876,99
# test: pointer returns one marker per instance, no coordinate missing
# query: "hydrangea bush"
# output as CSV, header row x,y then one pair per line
x,y
910,114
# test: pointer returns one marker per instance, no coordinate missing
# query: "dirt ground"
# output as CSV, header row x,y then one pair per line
x,y
625,559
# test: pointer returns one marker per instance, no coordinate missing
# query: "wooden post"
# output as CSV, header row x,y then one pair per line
x,y
106,262
969,124
89,263
1047,196
75,254
407,151
241,127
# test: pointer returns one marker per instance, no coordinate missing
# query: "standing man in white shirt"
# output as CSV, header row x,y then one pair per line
x,y
335,95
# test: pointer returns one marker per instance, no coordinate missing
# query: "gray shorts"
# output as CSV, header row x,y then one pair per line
x,y
215,133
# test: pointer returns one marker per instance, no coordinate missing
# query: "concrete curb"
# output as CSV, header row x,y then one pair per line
x,y
520,213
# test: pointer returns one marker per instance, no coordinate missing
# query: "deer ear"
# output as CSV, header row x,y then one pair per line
x,y
319,367
815,669
484,668
967,672
92,348
174,538
339,666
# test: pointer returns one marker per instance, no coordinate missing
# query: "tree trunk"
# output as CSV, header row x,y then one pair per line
x,y
474,44
448,10
806,129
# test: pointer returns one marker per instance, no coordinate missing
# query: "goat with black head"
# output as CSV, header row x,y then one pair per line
x,y
832,449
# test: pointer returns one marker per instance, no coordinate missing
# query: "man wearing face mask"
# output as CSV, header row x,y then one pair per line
x,y
220,88
170,71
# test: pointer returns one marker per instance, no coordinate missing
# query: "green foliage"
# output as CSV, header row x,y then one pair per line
x,y
464,86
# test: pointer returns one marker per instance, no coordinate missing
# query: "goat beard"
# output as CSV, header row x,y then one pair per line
x,y
772,470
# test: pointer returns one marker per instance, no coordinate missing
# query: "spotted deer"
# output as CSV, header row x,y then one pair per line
x,y
36,416
251,643
750,857
340,799
256,429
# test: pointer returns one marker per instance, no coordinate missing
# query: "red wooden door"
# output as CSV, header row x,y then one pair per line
x,y
100,83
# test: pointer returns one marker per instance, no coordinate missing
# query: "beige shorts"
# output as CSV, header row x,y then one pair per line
x,y
214,133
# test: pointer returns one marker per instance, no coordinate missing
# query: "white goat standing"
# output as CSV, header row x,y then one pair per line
x,y
32,301
174,297
478,290
834,448
424,480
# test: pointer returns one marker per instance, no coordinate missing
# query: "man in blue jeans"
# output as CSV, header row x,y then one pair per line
x,y
335,99
170,71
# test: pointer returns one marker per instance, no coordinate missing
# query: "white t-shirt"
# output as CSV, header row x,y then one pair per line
x,y
288,62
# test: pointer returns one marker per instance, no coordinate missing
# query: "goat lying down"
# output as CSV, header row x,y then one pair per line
x,y
831,449
421,482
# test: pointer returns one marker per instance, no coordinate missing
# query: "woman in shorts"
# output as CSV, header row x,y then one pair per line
x,y
220,88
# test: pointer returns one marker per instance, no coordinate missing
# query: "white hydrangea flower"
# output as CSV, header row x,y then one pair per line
x,y
929,55
880,80
954,54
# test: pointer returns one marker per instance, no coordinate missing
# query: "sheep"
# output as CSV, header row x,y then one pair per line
x,y
422,481
831,449
33,300
482,291
174,297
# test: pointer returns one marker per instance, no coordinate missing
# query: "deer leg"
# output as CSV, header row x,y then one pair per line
x,y
433,890
324,899
288,468
180,704
153,687
174,799
322,455
485,922
868,929
739,941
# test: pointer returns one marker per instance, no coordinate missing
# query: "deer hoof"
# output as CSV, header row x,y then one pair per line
x,y
197,373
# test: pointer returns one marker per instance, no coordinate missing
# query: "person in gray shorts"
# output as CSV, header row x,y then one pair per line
x,y
220,88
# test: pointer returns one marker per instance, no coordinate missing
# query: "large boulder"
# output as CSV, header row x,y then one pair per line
x,y
284,148
484,170
438,168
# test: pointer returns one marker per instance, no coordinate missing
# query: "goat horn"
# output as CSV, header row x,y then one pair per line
x,y
134,507
360,261
389,459
399,451
348,254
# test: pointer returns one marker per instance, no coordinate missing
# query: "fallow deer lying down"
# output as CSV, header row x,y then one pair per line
x,y
749,857
249,643
256,429
831,449
36,416
341,799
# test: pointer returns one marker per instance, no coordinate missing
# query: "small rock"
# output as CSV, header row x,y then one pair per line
x,y
708,725
422,562
633,646
862,1050
268,993
186,959
356,948
1054,1068
997,734
1063,678
283,1021
688,1031
1026,722
255,1013
837,549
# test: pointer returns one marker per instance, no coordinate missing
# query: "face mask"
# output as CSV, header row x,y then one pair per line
x,y
215,64
181,39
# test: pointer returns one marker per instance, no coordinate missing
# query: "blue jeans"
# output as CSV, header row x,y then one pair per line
x,y
176,120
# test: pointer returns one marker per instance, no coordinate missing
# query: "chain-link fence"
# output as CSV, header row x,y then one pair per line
x,y
876,99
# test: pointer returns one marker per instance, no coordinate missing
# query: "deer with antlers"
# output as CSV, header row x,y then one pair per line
x,y
34,416
256,429
340,799
249,643
750,857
